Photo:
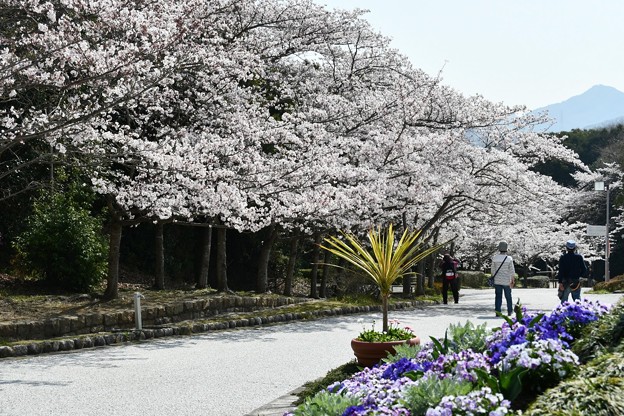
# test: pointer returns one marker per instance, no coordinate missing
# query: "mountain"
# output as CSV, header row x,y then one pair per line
x,y
600,106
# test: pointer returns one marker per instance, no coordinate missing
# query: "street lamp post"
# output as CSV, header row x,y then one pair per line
x,y
604,186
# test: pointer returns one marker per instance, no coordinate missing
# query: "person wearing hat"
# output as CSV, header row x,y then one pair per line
x,y
571,268
503,271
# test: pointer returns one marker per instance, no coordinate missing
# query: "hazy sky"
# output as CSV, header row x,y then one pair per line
x,y
528,52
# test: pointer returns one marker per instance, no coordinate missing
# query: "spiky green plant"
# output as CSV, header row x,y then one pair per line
x,y
388,261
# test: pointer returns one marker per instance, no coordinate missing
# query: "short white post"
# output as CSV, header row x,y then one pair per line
x,y
137,311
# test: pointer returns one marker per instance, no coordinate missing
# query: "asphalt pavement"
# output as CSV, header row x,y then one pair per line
x,y
248,371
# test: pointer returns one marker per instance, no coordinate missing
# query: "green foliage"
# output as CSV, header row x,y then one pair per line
x,y
394,333
63,243
614,284
473,279
602,335
599,396
537,281
611,365
508,383
440,347
388,261
468,336
587,143
325,403
520,316
337,374
406,350
431,389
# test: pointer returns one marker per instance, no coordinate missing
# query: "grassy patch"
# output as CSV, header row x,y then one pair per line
x,y
337,374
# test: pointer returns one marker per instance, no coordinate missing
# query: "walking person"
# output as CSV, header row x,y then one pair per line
x,y
502,272
449,278
571,268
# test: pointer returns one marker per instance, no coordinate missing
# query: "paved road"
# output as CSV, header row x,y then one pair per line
x,y
221,373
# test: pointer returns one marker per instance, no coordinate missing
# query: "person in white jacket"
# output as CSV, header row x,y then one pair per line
x,y
503,271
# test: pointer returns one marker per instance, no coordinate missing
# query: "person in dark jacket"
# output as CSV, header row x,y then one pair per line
x,y
449,278
571,268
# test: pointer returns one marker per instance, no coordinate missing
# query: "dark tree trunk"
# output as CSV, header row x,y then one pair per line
x,y
407,284
292,261
384,312
420,280
263,259
407,279
159,280
112,279
340,278
222,285
432,270
202,281
316,254
433,267
324,274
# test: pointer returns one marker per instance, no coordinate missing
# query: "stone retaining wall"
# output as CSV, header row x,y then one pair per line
x,y
183,328
151,316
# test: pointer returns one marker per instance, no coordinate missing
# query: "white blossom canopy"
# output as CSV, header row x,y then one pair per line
x,y
257,112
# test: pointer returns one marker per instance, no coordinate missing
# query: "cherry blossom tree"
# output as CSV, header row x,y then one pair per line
x,y
265,115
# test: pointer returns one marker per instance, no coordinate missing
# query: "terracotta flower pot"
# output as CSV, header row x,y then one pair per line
x,y
370,353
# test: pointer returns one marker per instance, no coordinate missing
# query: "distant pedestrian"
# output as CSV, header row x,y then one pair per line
x,y
502,272
449,278
571,268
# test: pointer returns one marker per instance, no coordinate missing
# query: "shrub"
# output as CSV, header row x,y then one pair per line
x,y
536,281
63,244
337,374
473,279
598,389
614,284
597,396
611,365
602,335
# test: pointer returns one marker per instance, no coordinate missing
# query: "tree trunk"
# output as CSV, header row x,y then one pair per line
x,y
407,284
340,278
420,280
432,270
432,261
222,285
159,280
316,254
324,275
114,243
384,310
202,281
263,259
292,261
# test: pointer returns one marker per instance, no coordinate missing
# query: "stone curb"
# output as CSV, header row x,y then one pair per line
x,y
183,328
160,315
279,406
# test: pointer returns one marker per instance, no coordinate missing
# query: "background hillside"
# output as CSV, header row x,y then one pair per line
x,y
600,106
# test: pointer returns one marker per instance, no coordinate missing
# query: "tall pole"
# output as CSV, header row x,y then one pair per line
x,y
607,248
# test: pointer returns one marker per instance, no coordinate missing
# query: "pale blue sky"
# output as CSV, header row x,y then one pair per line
x,y
527,52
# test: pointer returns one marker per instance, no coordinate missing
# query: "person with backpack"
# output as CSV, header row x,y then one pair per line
x,y
502,272
571,268
449,278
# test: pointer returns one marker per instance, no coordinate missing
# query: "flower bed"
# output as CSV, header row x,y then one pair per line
x,y
459,375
